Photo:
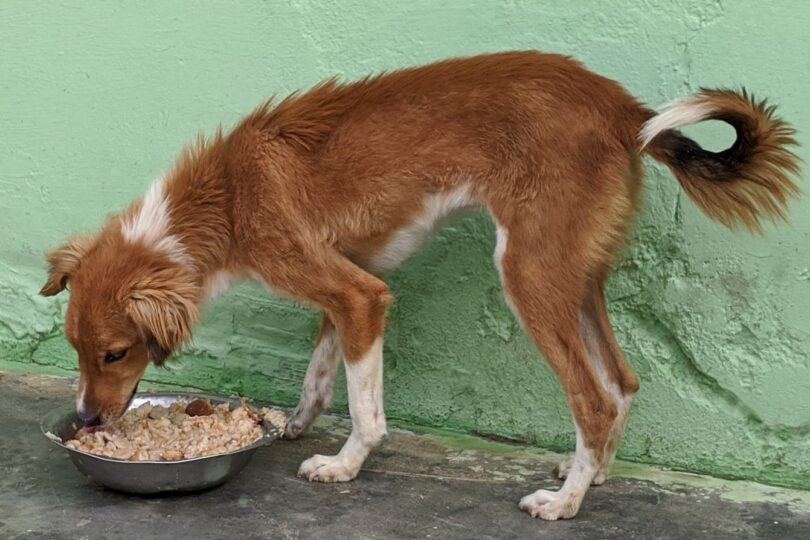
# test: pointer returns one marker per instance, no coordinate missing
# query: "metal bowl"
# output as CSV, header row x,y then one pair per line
x,y
150,477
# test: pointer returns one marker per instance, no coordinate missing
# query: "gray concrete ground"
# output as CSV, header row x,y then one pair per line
x,y
416,486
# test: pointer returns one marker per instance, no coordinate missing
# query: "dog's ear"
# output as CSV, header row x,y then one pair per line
x,y
63,263
163,306
157,354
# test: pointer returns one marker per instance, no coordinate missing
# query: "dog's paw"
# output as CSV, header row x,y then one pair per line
x,y
327,469
550,505
294,428
562,470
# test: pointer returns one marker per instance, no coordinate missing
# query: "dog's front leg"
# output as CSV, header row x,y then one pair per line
x,y
356,303
364,381
318,382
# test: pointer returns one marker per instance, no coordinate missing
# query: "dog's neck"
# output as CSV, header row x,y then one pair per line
x,y
186,213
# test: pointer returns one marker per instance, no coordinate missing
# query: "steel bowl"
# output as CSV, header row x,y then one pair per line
x,y
151,477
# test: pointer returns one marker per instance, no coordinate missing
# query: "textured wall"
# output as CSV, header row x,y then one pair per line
x,y
97,98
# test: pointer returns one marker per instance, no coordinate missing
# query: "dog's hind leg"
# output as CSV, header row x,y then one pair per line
x,y
615,373
319,381
546,282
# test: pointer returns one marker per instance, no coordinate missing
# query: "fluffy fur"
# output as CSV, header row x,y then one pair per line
x,y
320,195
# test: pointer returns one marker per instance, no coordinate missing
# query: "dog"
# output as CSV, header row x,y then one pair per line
x,y
318,196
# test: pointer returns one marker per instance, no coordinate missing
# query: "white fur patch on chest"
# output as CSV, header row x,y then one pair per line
x,y
437,209
150,225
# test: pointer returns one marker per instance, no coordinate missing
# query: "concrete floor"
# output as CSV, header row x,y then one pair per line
x,y
416,486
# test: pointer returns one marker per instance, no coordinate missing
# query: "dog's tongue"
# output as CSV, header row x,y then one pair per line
x,y
89,429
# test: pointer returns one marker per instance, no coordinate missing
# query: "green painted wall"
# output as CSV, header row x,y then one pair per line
x,y
96,99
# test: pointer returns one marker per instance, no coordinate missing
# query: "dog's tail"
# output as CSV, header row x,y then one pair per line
x,y
741,185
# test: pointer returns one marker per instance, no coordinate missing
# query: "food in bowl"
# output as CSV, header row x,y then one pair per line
x,y
180,431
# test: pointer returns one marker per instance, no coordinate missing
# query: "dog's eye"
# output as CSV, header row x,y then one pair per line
x,y
115,356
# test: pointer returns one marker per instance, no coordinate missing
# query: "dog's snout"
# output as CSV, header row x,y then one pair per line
x,y
88,417
87,413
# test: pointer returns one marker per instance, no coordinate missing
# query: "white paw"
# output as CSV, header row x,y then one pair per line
x,y
550,505
564,468
327,469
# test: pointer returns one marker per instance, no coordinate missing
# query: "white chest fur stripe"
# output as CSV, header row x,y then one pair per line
x,y
150,225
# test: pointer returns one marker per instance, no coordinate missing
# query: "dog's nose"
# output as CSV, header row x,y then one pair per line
x,y
88,417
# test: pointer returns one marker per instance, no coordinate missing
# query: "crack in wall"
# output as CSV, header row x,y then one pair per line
x,y
713,385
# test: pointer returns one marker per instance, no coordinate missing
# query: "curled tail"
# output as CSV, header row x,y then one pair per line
x,y
741,185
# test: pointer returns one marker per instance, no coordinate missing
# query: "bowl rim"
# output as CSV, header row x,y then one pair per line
x,y
269,433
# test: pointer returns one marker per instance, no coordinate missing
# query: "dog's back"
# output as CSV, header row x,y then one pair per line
x,y
491,130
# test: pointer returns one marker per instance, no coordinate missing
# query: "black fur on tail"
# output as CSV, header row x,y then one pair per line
x,y
741,185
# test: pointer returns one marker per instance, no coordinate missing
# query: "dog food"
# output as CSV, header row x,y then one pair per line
x,y
181,431
275,418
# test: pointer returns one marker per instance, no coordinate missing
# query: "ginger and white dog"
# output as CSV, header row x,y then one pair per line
x,y
320,195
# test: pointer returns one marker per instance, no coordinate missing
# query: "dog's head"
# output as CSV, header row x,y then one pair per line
x,y
129,306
